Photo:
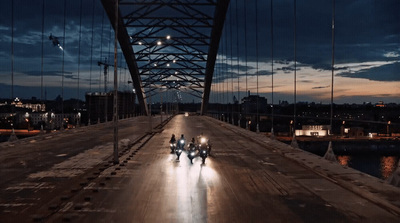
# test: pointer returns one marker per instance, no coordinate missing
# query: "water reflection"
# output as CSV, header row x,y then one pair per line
x,y
344,160
388,166
376,158
378,166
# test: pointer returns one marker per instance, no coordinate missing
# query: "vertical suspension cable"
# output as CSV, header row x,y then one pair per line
x,y
237,60
257,124
294,142
115,107
245,51
245,40
231,60
62,69
42,61
221,76
217,83
91,49
333,62
12,50
221,84
101,49
91,65
79,51
272,70
226,72
109,56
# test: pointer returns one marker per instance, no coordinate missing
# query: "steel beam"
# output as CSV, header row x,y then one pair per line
x,y
124,42
219,20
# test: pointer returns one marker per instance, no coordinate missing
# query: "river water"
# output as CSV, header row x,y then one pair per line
x,y
376,158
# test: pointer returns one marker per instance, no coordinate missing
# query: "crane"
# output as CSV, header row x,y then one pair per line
x,y
106,65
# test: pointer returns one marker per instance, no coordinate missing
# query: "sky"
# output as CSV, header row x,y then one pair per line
x,y
366,56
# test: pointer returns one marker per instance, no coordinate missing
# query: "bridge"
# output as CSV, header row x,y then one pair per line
x,y
123,171
71,176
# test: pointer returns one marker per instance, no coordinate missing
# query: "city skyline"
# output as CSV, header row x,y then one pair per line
x,y
367,50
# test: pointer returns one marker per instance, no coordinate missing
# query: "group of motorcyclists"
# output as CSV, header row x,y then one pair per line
x,y
200,147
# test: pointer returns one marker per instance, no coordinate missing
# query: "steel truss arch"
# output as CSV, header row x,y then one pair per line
x,y
170,44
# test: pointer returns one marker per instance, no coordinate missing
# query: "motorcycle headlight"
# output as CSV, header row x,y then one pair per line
x,y
203,140
171,144
182,141
192,153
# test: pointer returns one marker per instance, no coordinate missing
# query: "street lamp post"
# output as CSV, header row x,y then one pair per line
x,y
27,119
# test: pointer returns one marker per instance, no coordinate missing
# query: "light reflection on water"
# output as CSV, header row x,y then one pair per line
x,y
376,158
378,166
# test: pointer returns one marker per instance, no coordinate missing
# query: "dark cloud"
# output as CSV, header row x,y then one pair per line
x,y
320,87
264,72
288,69
389,72
47,73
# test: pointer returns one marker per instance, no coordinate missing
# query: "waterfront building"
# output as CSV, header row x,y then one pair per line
x,y
313,130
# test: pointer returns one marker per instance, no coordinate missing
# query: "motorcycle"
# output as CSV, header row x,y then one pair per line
x,y
192,152
203,148
172,146
180,147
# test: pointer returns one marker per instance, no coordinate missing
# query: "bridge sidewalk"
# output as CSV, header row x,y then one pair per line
x,y
371,188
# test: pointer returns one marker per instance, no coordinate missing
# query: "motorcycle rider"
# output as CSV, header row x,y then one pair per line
x,y
172,140
207,142
172,143
192,144
209,147
180,140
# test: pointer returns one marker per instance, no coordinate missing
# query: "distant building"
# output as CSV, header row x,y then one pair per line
x,y
254,103
33,107
100,105
354,132
313,130
380,104
38,107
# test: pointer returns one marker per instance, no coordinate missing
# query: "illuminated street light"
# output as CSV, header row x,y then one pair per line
x,y
79,118
168,37
27,119
174,61
159,43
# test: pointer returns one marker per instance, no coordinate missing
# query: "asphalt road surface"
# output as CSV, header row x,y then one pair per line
x,y
71,178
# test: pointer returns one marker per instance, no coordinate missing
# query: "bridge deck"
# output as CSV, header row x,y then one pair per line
x,y
249,178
